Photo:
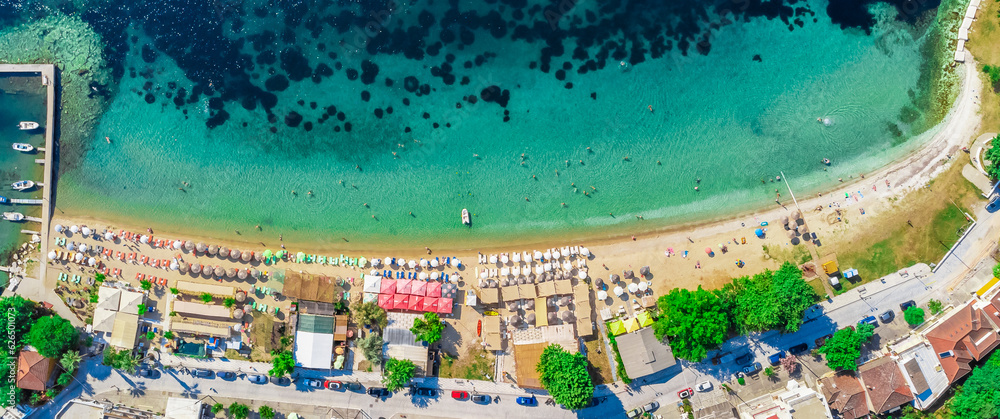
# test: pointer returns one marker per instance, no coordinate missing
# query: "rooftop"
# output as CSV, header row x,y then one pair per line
x,y
964,335
34,371
199,309
314,350
315,324
886,386
642,354
845,395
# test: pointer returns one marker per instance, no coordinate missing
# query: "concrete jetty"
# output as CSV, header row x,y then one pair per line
x,y
27,201
40,161
963,30
30,232
35,219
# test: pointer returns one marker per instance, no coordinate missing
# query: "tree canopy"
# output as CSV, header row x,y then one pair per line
x,y
397,373
22,311
696,321
979,397
282,364
266,412
8,391
239,410
565,376
844,348
52,336
122,360
992,155
769,300
428,329
914,315
371,347
370,314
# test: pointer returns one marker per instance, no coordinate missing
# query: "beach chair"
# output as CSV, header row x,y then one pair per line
x,y
276,310
253,305
62,276
137,275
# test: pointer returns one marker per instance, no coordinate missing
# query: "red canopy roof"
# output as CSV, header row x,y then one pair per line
x,y
433,289
400,301
388,286
403,286
416,303
418,288
430,304
385,301
444,305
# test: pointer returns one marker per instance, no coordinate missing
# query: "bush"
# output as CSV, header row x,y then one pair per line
x,y
914,315
239,410
142,309
52,336
770,372
175,291
206,297
146,285
229,302
935,306
266,412
168,334
371,347
150,335
216,408
428,329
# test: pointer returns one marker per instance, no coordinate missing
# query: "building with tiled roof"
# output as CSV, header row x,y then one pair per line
x,y
885,385
845,396
34,371
964,335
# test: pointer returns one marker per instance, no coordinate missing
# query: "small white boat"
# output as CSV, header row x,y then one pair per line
x,y
27,125
13,216
27,148
465,217
22,185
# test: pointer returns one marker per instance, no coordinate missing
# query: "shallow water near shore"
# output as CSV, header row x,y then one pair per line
x,y
21,99
732,118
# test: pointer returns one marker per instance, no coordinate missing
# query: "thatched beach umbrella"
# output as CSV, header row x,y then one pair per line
x,y
241,296
644,270
255,274
235,254
223,252
183,266
784,221
796,214
189,245
213,249
247,256
791,234
196,269
200,247
219,271
242,274
238,314
258,256
567,316
804,229
231,272
553,317
530,318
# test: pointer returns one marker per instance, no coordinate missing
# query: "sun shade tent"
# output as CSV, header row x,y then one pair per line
x,y
373,284
444,305
385,301
616,328
644,319
631,325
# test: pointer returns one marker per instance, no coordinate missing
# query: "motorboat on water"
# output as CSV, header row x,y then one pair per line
x,y
27,125
13,216
22,185
27,148
465,217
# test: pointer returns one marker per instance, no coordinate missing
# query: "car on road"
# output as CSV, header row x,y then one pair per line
x,y
906,305
798,349
775,358
745,359
482,398
752,368
993,206
820,341
869,320
634,413
257,379
354,386
651,407
527,401
314,383
594,401
425,392
333,385
685,393
148,372
227,375
283,381
378,392
704,386
887,316
203,373
459,395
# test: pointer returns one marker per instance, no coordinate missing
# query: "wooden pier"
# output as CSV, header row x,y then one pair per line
x,y
30,232
35,219
40,161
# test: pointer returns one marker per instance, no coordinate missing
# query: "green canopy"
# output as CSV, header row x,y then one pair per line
x,y
644,319
339,363
268,253
301,257
616,328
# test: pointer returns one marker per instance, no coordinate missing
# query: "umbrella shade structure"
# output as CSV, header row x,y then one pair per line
x,y
708,250
759,233
255,273
400,301
784,221
629,274
791,234
219,271
178,244
91,261
238,314
258,256
618,291
403,286
78,257
86,231
493,258
109,236
196,269
385,301
241,296
213,249
76,229
435,276
644,270
300,257
513,305
231,272
530,318
445,305
514,320
83,247
412,264
189,245
616,328
387,286
582,274
235,254
242,274
633,287
504,259
553,318
418,288
416,303
174,265
644,319
267,253
643,286
422,276
373,284
71,246
614,278
59,228
584,251
454,262
562,302
434,289
200,247
247,256
528,304
796,215
448,290
602,295
566,316
144,239
52,255
223,252
434,263
430,304
631,325
804,229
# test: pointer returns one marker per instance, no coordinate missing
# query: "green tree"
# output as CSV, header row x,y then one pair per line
x,y
19,320
64,379
70,360
206,297
266,412
371,347
914,315
175,291
239,410
216,408
370,314
121,360
10,394
979,397
142,309
150,335
769,300
52,336
935,306
99,277
146,284
168,334
992,155
565,376
696,321
844,348
229,302
428,329
397,373
996,270
770,372
282,364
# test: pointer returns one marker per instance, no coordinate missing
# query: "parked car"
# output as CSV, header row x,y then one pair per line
x,y
527,401
203,373
459,395
378,392
819,342
634,413
333,385
685,393
594,401
651,407
775,358
283,381
887,316
227,375
745,359
704,386
798,349
257,379
145,372
752,368
906,305
481,398
869,320
426,392
354,386
314,383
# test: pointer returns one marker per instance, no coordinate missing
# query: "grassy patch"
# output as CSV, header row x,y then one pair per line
x,y
795,254
261,330
477,364
234,354
982,43
597,363
620,367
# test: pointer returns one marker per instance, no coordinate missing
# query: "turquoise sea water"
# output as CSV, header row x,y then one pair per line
x,y
724,118
21,99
